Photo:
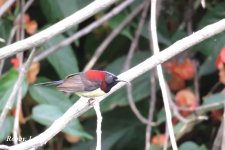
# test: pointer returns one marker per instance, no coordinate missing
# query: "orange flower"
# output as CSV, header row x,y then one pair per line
x,y
21,117
184,70
158,140
30,25
186,98
26,18
2,2
32,72
72,139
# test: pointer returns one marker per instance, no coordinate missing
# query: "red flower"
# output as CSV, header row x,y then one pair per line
x,y
15,62
176,83
220,65
221,58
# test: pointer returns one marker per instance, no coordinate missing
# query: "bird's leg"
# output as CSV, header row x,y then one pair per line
x,y
91,101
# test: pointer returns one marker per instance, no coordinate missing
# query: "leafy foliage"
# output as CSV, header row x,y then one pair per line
x,y
69,63
47,114
42,105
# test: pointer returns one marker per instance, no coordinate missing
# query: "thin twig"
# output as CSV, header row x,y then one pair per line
x,y
137,35
6,6
2,40
128,61
165,144
99,124
18,83
135,110
196,83
176,113
83,31
20,35
151,110
223,133
219,136
110,37
161,77
153,88
214,87
80,106
203,3
41,37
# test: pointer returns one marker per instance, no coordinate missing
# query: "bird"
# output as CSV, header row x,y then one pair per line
x,y
90,84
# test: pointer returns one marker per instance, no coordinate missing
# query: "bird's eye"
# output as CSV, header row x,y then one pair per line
x,y
109,79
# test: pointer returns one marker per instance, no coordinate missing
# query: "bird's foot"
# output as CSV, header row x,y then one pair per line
x,y
91,102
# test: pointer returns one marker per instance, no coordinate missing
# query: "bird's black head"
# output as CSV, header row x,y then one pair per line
x,y
110,81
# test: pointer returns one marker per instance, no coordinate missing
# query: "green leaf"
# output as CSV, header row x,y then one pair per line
x,y
7,128
162,37
135,4
213,15
7,83
179,34
64,60
154,147
189,145
212,46
161,116
207,67
55,10
115,49
215,98
47,114
47,95
5,27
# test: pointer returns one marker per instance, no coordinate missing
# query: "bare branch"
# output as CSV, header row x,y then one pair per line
x,y
151,109
203,3
99,125
20,36
137,35
223,133
162,82
135,109
55,29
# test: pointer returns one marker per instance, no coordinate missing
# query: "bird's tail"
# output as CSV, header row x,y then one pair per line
x,y
51,83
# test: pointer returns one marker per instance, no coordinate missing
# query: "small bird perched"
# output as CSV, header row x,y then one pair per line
x,y
91,84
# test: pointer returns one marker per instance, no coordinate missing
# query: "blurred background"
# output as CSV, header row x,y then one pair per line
x,y
195,77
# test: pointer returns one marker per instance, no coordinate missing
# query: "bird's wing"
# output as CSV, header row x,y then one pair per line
x,y
77,83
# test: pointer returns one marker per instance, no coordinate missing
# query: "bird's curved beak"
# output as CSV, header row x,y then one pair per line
x,y
119,80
